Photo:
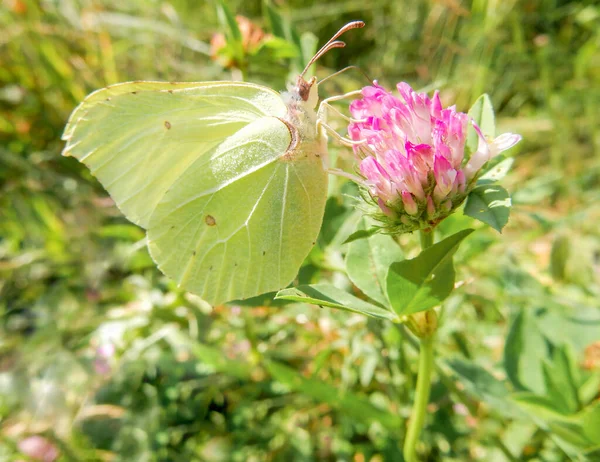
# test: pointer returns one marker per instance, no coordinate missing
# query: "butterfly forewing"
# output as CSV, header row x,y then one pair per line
x,y
138,138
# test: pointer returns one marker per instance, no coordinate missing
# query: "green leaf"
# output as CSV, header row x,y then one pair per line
x,y
589,388
561,380
425,281
294,37
537,405
524,351
332,297
482,385
482,114
497,172
354,405
591,422
368,260
339,221
233,35
570,429
489,204
275,20
361,234
267,299
559,257
124,232
308,47
275,48
228,22
577,325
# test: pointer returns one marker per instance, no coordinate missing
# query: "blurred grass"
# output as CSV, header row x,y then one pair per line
x,y
75,275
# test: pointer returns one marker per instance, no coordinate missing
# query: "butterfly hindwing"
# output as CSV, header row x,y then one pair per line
x,y
240,223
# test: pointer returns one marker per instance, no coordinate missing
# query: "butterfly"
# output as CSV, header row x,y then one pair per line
x,y
229,179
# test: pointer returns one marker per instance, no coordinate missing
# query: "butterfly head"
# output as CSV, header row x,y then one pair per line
x,y
307,90
301,100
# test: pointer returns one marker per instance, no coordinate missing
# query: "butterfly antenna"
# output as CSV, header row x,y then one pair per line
x,y
341,71
328,46
333,43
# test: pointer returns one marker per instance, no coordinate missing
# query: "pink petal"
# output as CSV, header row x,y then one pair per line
x,y
372,170
430,207
444,175
503,142
436,105
478,158
409,203
420,156
460,182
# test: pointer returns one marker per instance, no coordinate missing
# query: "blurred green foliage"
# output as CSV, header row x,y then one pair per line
x,y
106,359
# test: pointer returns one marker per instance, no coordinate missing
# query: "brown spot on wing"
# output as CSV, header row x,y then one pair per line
x,y
167,124
210,220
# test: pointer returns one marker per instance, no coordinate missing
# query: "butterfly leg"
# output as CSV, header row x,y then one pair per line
x,y
322,118
341,139
346,141
350,94
326,104
342,173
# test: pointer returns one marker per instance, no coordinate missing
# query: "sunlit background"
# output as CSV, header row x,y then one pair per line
x,y
103,358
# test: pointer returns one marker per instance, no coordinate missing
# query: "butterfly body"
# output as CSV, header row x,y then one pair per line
x,y
228,178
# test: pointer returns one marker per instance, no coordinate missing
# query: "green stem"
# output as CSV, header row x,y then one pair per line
x,y
426,239
417,417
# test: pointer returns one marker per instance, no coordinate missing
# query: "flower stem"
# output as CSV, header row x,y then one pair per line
x,y
417,417
426,239
427,323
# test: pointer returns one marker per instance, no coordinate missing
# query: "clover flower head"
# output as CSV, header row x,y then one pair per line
x,y
412,155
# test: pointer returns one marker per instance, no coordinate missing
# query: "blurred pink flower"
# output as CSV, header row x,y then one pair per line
x,y
38,448
413,154
103,359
